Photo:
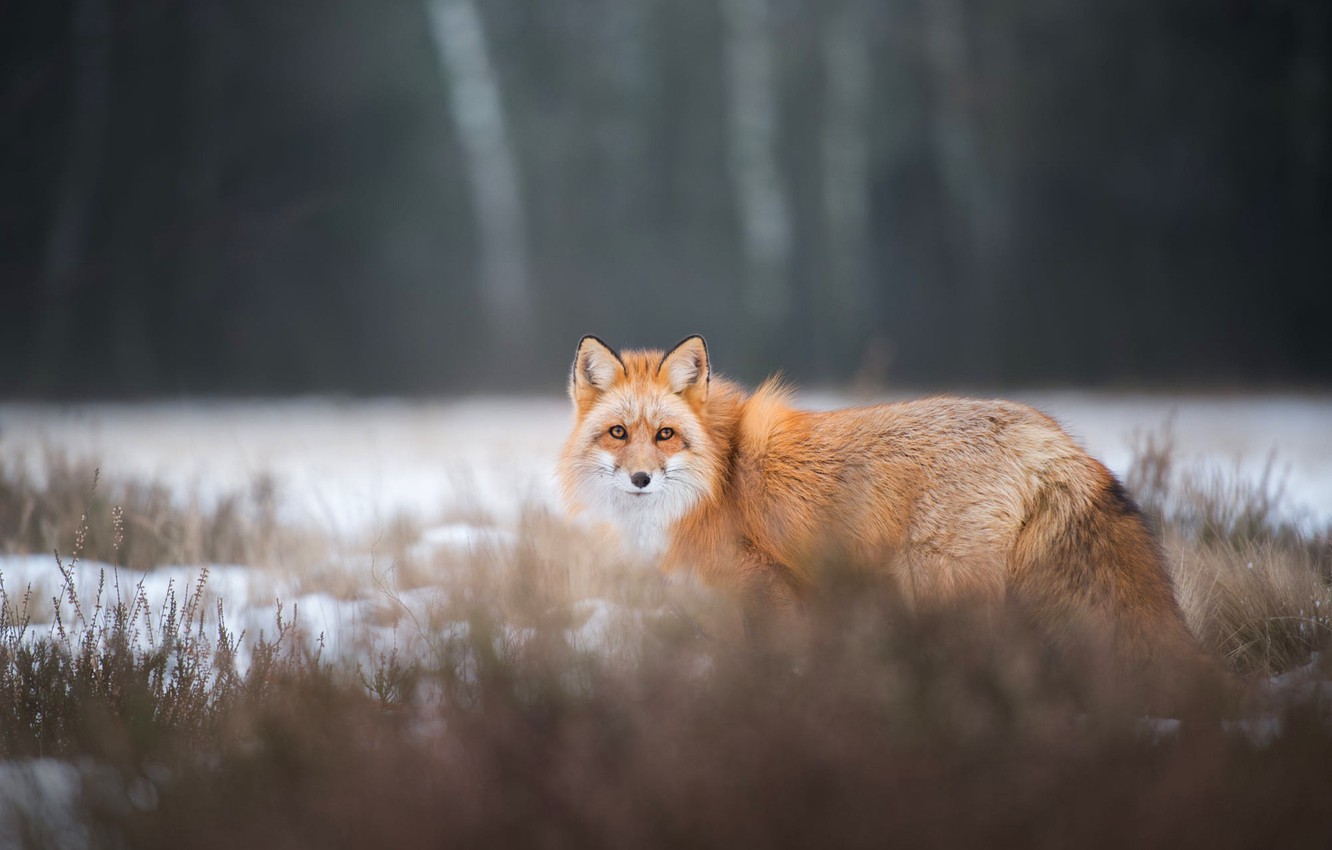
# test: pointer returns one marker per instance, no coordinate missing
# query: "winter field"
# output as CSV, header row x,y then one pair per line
x,y
238,584
349,467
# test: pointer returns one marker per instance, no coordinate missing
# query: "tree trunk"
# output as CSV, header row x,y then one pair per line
x,y
761,194
492,166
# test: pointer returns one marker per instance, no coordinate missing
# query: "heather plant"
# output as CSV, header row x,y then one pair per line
x,y
117,675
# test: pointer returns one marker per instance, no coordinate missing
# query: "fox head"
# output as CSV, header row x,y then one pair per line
x,y
641,453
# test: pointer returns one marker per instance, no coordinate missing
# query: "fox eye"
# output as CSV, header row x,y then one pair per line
x,y
665,433
618,432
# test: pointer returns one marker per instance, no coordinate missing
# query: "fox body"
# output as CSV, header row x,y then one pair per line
x,y
955,498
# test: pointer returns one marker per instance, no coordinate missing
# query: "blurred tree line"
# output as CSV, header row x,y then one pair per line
x,y
242,196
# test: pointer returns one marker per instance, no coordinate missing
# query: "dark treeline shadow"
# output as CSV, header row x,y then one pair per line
x,y
247,197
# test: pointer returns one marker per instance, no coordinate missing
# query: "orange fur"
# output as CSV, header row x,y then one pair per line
x,y
955,498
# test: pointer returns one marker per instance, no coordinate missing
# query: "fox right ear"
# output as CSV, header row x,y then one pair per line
x,y
595,368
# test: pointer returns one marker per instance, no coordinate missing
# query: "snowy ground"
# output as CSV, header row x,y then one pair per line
x,y
346,464
340,464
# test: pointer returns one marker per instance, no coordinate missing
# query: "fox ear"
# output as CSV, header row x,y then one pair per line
x,y
686,369
596,367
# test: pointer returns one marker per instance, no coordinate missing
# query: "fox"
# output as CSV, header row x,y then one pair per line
x,y
952,498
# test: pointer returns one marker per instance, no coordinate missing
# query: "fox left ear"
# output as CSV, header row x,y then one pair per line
x,y
686,369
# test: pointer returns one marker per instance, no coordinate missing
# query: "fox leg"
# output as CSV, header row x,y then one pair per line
x,y
768,600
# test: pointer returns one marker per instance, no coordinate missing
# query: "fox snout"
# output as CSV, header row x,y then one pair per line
x,y
635,479
638,466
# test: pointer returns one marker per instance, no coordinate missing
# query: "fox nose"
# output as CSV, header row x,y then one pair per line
x,y
640,479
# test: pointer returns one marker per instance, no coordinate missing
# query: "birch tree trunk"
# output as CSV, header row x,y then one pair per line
x,y
76,192
478,114
765,215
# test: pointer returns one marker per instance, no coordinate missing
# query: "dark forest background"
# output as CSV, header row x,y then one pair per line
x,y
384,196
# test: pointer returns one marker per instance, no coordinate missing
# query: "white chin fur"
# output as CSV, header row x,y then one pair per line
x,y
644,519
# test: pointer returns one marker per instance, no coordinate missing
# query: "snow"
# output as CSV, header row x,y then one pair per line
x,y
42,799
344,464
339,464
48,802
463,539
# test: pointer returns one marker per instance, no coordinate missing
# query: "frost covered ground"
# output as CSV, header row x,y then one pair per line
x,y
342,465
346,465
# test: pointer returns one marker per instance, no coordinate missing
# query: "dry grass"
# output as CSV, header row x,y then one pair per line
x,y
1264,607
41,512
553,695
1254,581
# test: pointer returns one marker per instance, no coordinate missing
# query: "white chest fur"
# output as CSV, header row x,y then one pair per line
x,y
644,533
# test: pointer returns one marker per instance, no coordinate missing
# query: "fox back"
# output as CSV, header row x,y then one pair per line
x,y
953,498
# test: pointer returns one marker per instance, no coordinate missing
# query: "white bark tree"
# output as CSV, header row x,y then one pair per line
x,y
492,164
762,197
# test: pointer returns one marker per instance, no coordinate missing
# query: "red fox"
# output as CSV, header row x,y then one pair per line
x,y
956,498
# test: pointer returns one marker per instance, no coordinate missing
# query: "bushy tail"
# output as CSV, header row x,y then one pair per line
x,y
1086,563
